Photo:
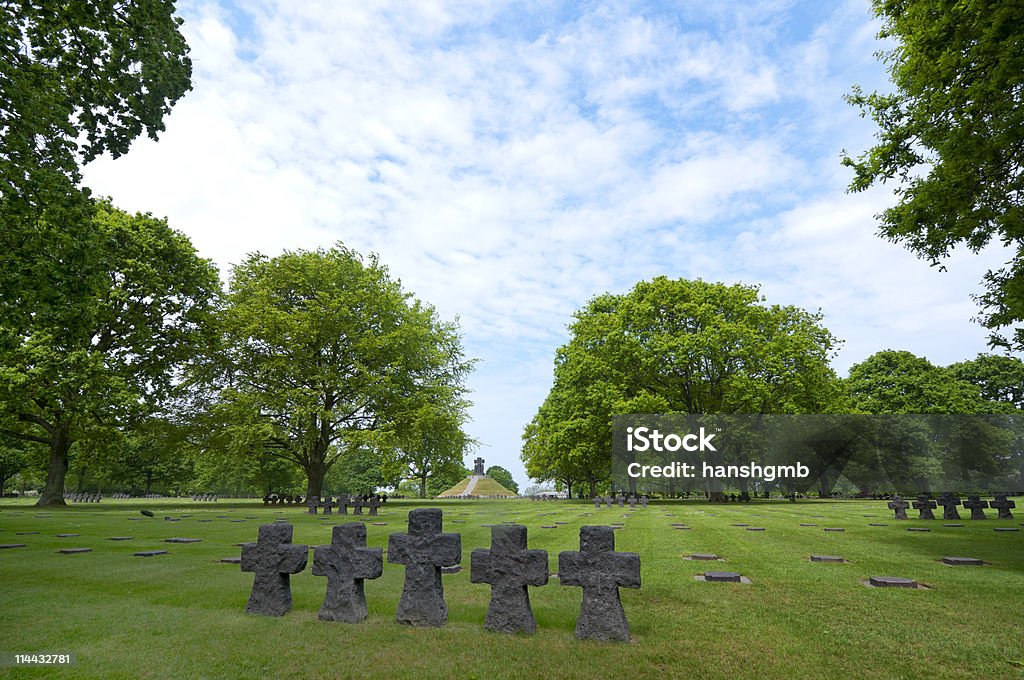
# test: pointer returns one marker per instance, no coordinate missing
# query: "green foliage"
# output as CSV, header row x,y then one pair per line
x,y
899,382
112,352
1000,378
324,354
951,136
503,477
431,444
675,346
77,80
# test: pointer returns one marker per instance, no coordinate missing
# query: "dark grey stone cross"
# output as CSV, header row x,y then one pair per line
x,y
949,503
373,504
345,563
478,466
900,506
976,506
924,506
1003,506
327,504
509,567
357,505
312,502
343,502
423,551
274,559
600,571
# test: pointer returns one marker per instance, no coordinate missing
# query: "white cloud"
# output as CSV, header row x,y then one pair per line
x,y
508,162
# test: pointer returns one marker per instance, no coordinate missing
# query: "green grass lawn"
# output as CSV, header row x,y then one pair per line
x,y
183,614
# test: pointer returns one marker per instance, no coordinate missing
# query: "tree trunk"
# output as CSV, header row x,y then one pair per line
x,y
593,487
423,485
826,487
315,474
60,444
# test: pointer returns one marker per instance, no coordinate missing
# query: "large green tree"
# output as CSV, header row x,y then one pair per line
x,y
503,477
325,355
78,79
893,381
951,137
115,355
678,347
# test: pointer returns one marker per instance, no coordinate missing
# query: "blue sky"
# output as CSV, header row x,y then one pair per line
x,y
508,161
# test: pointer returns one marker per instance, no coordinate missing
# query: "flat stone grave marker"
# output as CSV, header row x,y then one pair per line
x,y
561,523
171,519
963,561
509,567
741,525
6,546
833,529
709,557
379,524
891,582
346,563
952,525
238,520
67,535
182,540
831,559
808,525
74,551
26,533
231,560
548,526
756,529
273,558
150,553
877,524
204,520
1007,529
918,529
423,551
600,571
722,577
120,538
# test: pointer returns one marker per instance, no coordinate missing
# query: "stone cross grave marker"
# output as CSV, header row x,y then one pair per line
x,y
357,505
597,501
274,559
1003,506
478,467
600,571
949,503
976,506
327,504
373,504
608,501
924,506
312,504
423,551
346,562
899,506
509,567
643,502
